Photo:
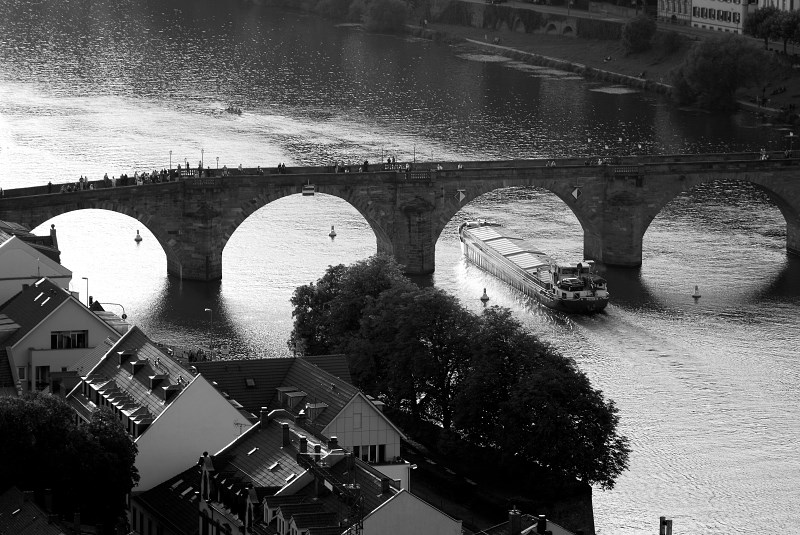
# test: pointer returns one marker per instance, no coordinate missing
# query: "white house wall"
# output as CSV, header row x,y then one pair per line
x,y
19,265
374,429
727,16
34,349
405,514
198,420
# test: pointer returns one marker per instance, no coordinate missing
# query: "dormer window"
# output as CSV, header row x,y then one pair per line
x,y
250,382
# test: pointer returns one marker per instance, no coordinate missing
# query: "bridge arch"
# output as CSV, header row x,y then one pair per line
x,y
372,214
585,219
151,223
780,192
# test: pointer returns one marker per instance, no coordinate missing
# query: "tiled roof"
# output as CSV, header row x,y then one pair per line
x,y
21,517
528,525
231,377
259,457
175,502
85,365
32,305
329,530
320,387
335,365
310,520
138,377
43,244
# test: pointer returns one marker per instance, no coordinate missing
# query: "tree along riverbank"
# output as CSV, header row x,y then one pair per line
x,y
606,60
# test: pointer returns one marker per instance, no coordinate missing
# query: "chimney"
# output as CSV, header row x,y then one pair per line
x,y
317,451
514,521
91,300
76,523
303,444
286,440
48,500
333,443
541,525
264,417
385,485
300,419
53,237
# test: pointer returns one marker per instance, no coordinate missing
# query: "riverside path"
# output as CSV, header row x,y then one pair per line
x,y
408,205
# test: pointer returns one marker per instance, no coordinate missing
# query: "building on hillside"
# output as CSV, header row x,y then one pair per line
x,y
520,524
322,404
169,508
675,11
23,261
44,330
276,479
718,15
165,407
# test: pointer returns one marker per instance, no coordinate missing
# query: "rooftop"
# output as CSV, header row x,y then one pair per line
x,y
32,305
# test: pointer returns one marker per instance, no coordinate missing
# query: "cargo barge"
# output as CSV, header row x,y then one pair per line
x,y
572,288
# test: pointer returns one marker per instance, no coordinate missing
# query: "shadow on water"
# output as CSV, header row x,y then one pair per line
x,y
627,288
785,286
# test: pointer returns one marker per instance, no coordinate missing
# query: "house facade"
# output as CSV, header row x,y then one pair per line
x,y
719,15
54,330
165,407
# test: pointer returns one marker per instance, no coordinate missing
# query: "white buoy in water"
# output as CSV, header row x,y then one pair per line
x,y
332,233
696,293
484,297
138,238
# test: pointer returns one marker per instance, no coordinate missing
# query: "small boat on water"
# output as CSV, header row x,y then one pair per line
x,y
573,288
234,110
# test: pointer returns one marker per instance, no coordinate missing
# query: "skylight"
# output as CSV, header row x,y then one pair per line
x,y
38,296
251,452
250,382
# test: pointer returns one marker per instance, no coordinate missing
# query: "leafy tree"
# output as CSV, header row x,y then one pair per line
x,y
89,468
785,26
760,23
420,337
385,15
522,396
715,69
483,378
637,34
328,313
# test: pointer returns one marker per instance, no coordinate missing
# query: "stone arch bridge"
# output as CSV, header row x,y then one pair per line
x,y
614,201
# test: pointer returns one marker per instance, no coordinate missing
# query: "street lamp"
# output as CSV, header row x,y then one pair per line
x,y
124,316
201,157
211,329
217,163
87,289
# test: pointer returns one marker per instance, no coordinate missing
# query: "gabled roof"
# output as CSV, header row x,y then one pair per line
x,y
320,387
175,501
91,359
335,365
19,515
137,376
231,377
32,305
43,244
528,525
259,457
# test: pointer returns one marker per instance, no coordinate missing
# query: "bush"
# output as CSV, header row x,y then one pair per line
x,y
334,9
385,16
671,42
637,34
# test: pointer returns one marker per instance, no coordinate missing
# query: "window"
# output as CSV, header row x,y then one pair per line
x,y
21,373
356,451
68,339
133,517
373,453
42,377
381,453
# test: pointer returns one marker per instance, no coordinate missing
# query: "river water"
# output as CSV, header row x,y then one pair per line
x,y
707,389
